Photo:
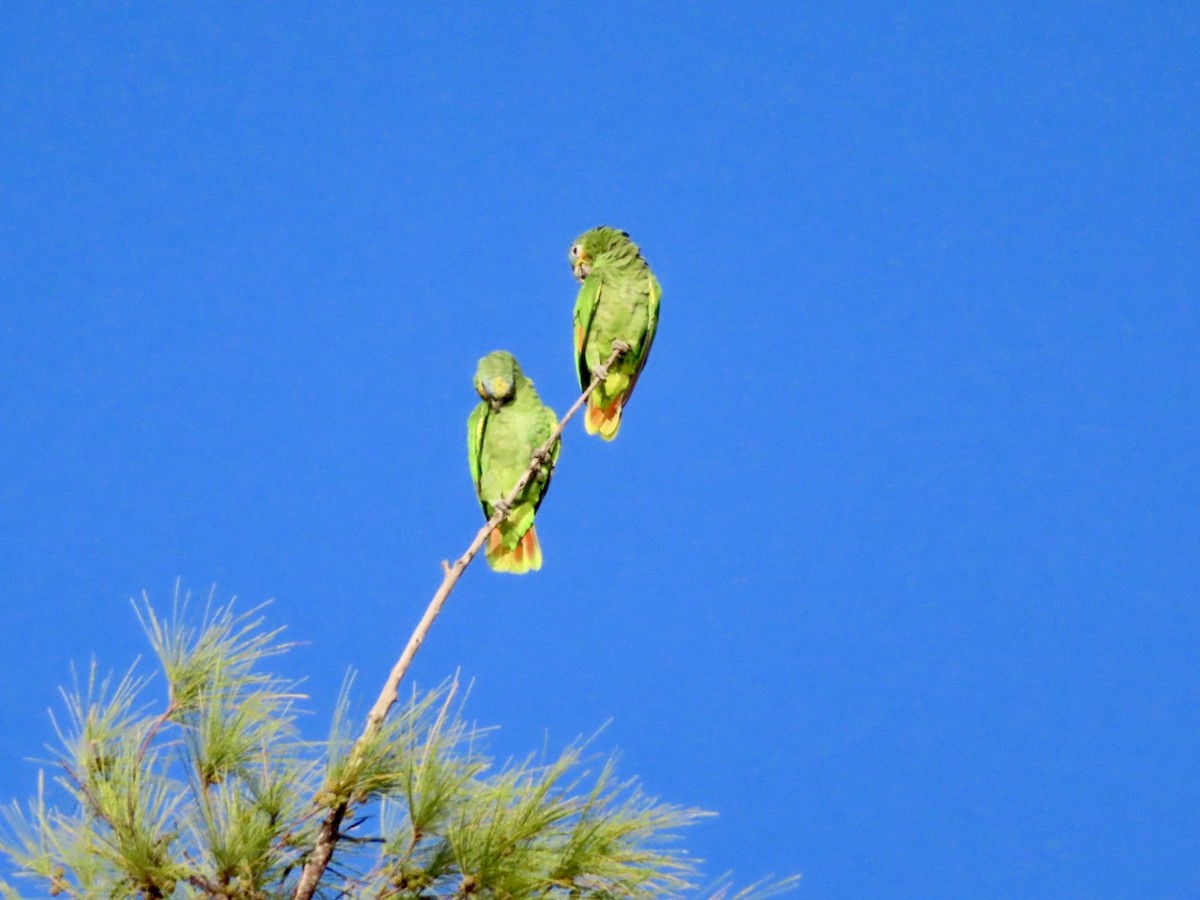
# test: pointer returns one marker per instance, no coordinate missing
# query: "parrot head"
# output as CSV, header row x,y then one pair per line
x,y
496,378
591,244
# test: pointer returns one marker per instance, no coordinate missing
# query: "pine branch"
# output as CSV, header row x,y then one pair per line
x,y
329,832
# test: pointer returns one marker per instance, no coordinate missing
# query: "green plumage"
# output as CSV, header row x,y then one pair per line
x,y
503,432
618,301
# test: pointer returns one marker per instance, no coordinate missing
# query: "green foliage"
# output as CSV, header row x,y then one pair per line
x,y
196,800
214,794
528,830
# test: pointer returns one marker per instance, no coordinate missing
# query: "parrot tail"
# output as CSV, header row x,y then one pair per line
x,y
604,420
525,557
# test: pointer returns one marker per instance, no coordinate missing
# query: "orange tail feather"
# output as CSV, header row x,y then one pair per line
x,y
604,420
525,557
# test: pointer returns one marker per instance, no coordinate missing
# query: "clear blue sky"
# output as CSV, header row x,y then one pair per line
x,y
895,562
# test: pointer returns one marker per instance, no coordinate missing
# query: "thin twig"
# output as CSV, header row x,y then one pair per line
x,y
198,881
158,723
327,837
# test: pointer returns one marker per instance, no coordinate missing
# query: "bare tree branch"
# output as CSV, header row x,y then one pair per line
x,y
328,835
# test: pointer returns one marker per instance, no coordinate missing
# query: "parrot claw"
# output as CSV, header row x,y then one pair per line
x,y
541,457
501,507
619,349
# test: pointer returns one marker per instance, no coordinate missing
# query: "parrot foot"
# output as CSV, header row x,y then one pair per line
x,y
501,507
619,349
541,457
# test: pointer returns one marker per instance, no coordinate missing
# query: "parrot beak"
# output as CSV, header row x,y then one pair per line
x,y
582,268
495,391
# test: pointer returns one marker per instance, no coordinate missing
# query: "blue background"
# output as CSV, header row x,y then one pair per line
x,y
895,561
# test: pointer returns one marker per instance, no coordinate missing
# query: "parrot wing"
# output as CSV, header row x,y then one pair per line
x,y
651,330
476,427
585,310
549,420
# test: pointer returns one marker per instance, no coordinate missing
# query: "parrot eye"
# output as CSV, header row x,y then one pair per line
x,y
575,251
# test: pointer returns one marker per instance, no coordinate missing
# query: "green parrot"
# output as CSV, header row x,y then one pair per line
x,y
502,434
618,302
